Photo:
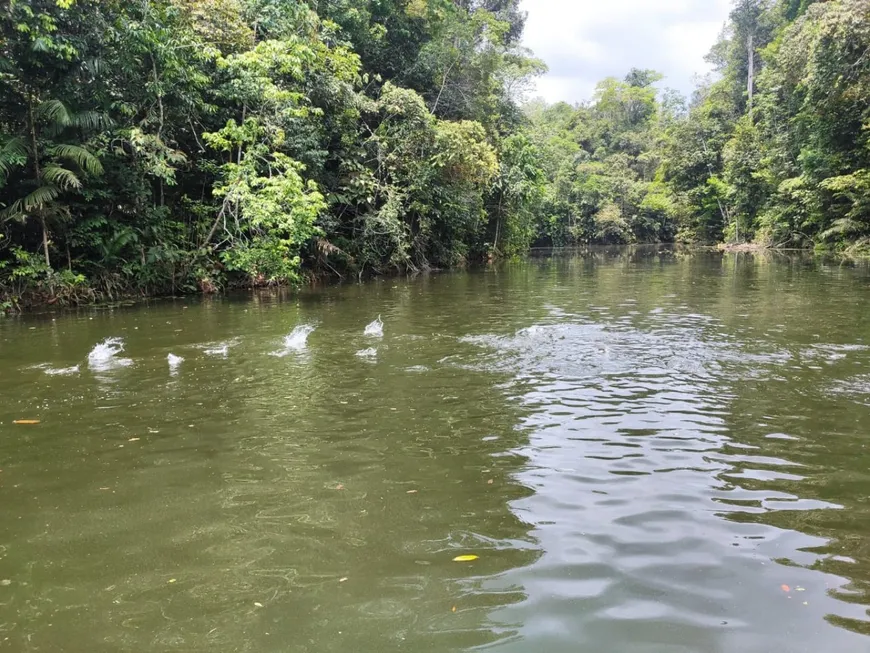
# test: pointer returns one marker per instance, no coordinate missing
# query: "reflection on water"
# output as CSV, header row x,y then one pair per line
x,y
648,451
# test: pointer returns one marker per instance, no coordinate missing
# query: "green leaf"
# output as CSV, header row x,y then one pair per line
x,y
54,111
38,199
12,154
61,177
92,120
80,156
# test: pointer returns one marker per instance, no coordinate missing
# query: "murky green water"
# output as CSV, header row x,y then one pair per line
x,y
648,453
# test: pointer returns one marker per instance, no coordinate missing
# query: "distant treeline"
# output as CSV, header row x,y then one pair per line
x,y
774,149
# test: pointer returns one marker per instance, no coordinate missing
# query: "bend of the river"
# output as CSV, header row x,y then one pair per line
x,y
646,451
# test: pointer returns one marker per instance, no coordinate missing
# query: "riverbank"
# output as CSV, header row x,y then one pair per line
x,y
742,248
62,294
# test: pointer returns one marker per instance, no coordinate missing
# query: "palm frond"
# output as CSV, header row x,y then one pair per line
x,y
41,44
61,177
55,112
12,153
93,66
36,200
80,156
91,120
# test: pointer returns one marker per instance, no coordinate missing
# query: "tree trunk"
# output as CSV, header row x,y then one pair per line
x,y
498,222
45,240
38,176
750,83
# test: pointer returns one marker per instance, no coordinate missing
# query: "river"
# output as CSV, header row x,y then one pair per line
x,y
637,451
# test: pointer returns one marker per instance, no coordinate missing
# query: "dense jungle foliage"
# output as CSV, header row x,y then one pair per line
x,y
773,149
161,146
167,146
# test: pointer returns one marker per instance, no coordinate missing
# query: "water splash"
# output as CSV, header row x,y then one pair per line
x,y
532,331
368,353
296,341
174,363
375,329
105,355
221,349
56,371
63,371
298,338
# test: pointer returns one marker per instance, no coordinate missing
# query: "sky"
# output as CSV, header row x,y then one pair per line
x,y
584,41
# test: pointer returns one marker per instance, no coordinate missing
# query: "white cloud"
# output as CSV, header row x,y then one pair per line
x,y
584,41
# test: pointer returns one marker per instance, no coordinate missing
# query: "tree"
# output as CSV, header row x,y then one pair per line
x,y
44,55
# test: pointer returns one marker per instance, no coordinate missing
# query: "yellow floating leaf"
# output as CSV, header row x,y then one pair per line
x,y
26,421
468,558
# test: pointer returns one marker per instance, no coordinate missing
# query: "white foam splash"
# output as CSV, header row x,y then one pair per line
x,y
63,371
174,363
296,341
298,338
104,356
375,329
367,353
56,371
531,331
221,349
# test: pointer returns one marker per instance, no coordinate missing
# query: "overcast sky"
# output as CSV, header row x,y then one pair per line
x,y
584,41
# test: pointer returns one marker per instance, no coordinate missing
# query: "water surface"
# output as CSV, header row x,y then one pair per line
x,y
649,452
